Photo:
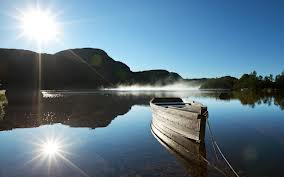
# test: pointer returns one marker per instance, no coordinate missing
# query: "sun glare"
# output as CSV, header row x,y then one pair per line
x,y
39,25
53,150
50,148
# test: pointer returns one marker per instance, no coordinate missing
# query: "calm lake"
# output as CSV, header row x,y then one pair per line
x,y
108,134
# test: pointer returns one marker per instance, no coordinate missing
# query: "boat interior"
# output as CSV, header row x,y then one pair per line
x,y
177,103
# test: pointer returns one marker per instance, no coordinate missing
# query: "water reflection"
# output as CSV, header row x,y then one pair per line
x,y
75,110
3,102
50,152
97,109
49,149
191,152
252,98
127,147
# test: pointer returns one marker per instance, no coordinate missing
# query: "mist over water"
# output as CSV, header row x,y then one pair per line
x,y
171,87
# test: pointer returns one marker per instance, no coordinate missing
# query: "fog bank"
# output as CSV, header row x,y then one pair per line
x,y
170,87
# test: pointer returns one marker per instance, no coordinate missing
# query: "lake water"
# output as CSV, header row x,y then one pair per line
x,y
108,134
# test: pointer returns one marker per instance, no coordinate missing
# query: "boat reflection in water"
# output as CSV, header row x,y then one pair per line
x,y
175,137
187,151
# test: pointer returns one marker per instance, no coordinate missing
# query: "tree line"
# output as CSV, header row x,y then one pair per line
x,y
251,81
256,82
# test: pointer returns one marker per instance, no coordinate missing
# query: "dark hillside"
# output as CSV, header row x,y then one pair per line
x,y
85,68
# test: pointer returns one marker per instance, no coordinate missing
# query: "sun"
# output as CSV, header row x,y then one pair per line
x,y
50,148
39,25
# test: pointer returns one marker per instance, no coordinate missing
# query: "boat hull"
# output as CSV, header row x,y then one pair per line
x,y
188,124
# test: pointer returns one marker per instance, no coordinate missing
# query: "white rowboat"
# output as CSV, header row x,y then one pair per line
x,y
186,119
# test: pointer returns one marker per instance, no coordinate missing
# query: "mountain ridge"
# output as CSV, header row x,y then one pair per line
x,y
79,68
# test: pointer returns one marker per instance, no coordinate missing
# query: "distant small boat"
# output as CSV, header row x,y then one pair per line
x,y
185,119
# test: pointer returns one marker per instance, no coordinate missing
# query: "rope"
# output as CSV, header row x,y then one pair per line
x,y
226,160
212,140
219,150
212,165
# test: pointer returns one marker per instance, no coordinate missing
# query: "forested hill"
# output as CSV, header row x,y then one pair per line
x,y
84,68
251,81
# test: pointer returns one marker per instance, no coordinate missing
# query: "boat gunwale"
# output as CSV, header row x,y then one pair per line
x,y
172,107
169,110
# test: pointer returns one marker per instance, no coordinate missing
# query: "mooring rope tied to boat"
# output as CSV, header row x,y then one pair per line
x,y
214,166
212,140
219,150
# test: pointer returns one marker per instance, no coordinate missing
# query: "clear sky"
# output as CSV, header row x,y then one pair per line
x,y
195,38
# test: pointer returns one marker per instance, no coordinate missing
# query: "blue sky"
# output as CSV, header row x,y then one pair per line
x,y
192,37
